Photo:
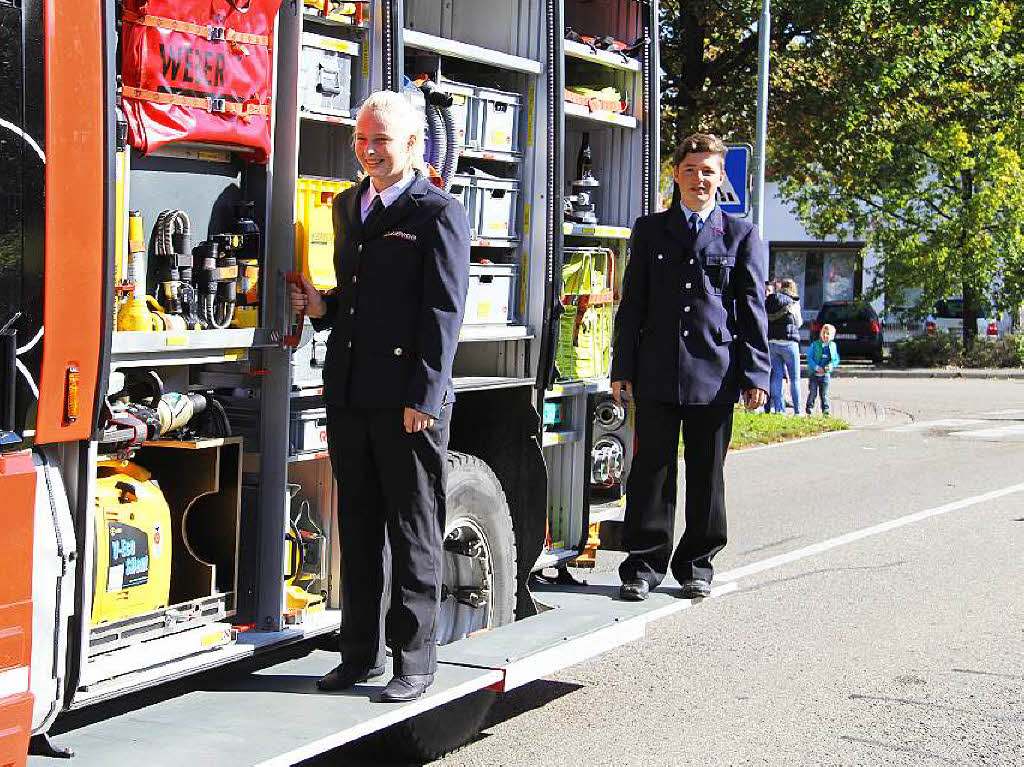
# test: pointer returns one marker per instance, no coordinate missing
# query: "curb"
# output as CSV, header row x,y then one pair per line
x,y
981,373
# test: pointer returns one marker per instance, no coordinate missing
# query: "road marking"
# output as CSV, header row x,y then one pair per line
x,y
1005,412
940,424
867,532
998,432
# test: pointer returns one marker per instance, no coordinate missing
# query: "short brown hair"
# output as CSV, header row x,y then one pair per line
x,y
699,142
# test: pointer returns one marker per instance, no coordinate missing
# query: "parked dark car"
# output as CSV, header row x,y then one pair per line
x,y
858,329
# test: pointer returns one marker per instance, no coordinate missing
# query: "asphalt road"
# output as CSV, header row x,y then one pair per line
x,y
902,648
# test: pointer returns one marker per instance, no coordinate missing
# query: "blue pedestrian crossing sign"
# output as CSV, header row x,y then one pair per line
x,y
734,195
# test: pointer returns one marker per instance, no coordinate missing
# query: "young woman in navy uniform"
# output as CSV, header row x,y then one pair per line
x,y
690,339
401,255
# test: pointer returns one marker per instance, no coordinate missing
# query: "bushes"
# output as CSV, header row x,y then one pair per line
x,y
945,349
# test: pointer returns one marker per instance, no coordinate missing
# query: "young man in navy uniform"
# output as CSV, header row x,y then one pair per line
x,y
401,255
690,339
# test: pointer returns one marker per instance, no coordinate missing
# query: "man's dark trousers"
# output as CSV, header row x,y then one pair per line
x,y
651,491
389,480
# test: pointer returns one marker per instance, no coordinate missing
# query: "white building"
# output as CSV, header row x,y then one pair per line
x,y
824,270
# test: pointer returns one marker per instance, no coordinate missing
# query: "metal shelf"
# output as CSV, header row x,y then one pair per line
x,y
331,119
488,154
606,119
187,347
455,49
494,333
604,58
607,512
574,388
597,230
479,383
318,19
553,438
480,242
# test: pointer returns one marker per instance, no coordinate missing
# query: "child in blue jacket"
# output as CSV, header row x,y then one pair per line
x,y
822,359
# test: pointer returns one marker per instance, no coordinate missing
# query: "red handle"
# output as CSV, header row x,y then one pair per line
x,y
292,339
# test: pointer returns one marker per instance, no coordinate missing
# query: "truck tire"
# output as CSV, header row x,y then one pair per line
x,y
478,509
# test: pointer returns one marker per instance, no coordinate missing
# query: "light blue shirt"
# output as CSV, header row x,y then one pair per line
x,y
387,196
702,215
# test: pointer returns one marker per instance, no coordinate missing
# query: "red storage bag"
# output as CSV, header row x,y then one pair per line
x,y
198,70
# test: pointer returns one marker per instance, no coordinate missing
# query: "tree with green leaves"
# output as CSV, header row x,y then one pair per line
x,y
912,138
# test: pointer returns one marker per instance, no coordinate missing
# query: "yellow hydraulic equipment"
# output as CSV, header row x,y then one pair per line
x,y
314,230
134,313
133,543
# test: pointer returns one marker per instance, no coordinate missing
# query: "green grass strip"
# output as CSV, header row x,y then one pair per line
x,y
750,429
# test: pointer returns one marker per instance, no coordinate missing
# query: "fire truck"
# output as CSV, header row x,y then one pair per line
x,y
171,571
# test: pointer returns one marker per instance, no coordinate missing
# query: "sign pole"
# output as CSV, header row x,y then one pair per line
x,y
764,48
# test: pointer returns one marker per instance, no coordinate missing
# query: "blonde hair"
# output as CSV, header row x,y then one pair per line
x,y
832,329
396,111
788,287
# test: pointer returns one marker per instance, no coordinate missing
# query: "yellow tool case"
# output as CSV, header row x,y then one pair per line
x,y
314,229
133,543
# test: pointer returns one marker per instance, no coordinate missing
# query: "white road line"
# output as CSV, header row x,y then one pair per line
x,y
867,532
1011,411
998,432
940,424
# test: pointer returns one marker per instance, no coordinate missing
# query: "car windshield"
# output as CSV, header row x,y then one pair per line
x,y
833,313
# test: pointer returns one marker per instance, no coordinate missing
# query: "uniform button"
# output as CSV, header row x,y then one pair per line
x,y
359,248
686,333
349,344
398,351
689,285
660,256
686,308
355,278
691,260
352,310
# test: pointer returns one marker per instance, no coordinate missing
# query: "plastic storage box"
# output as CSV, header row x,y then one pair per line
x,y
495,207
492,294
462,189
325,76
314,229
464,111
309,430
498,117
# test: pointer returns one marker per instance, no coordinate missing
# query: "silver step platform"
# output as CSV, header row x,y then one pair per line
x,y
276,716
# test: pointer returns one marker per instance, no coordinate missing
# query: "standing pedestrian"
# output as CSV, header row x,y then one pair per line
x,y
784,320
822,359
401,255
690,338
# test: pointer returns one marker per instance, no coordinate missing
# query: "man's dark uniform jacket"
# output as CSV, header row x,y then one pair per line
x,y
691,327
395,318
690,334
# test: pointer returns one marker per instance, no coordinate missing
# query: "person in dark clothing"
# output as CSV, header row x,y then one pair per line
x,y
401,255
690,340
784,320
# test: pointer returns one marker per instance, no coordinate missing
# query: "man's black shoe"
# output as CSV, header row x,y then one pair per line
x,y
635,590
694,588
406,687
347,675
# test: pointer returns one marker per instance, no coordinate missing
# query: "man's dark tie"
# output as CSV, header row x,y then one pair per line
x,y
694,226
376,208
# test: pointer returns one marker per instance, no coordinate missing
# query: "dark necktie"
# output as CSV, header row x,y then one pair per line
x,y
694,226
376,208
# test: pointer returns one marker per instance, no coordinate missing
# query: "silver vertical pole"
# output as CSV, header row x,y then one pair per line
x,y
764,30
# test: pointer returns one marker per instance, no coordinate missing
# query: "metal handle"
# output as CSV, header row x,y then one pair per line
x,y
292,339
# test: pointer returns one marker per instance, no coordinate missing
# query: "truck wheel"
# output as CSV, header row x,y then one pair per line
x,y
479,592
